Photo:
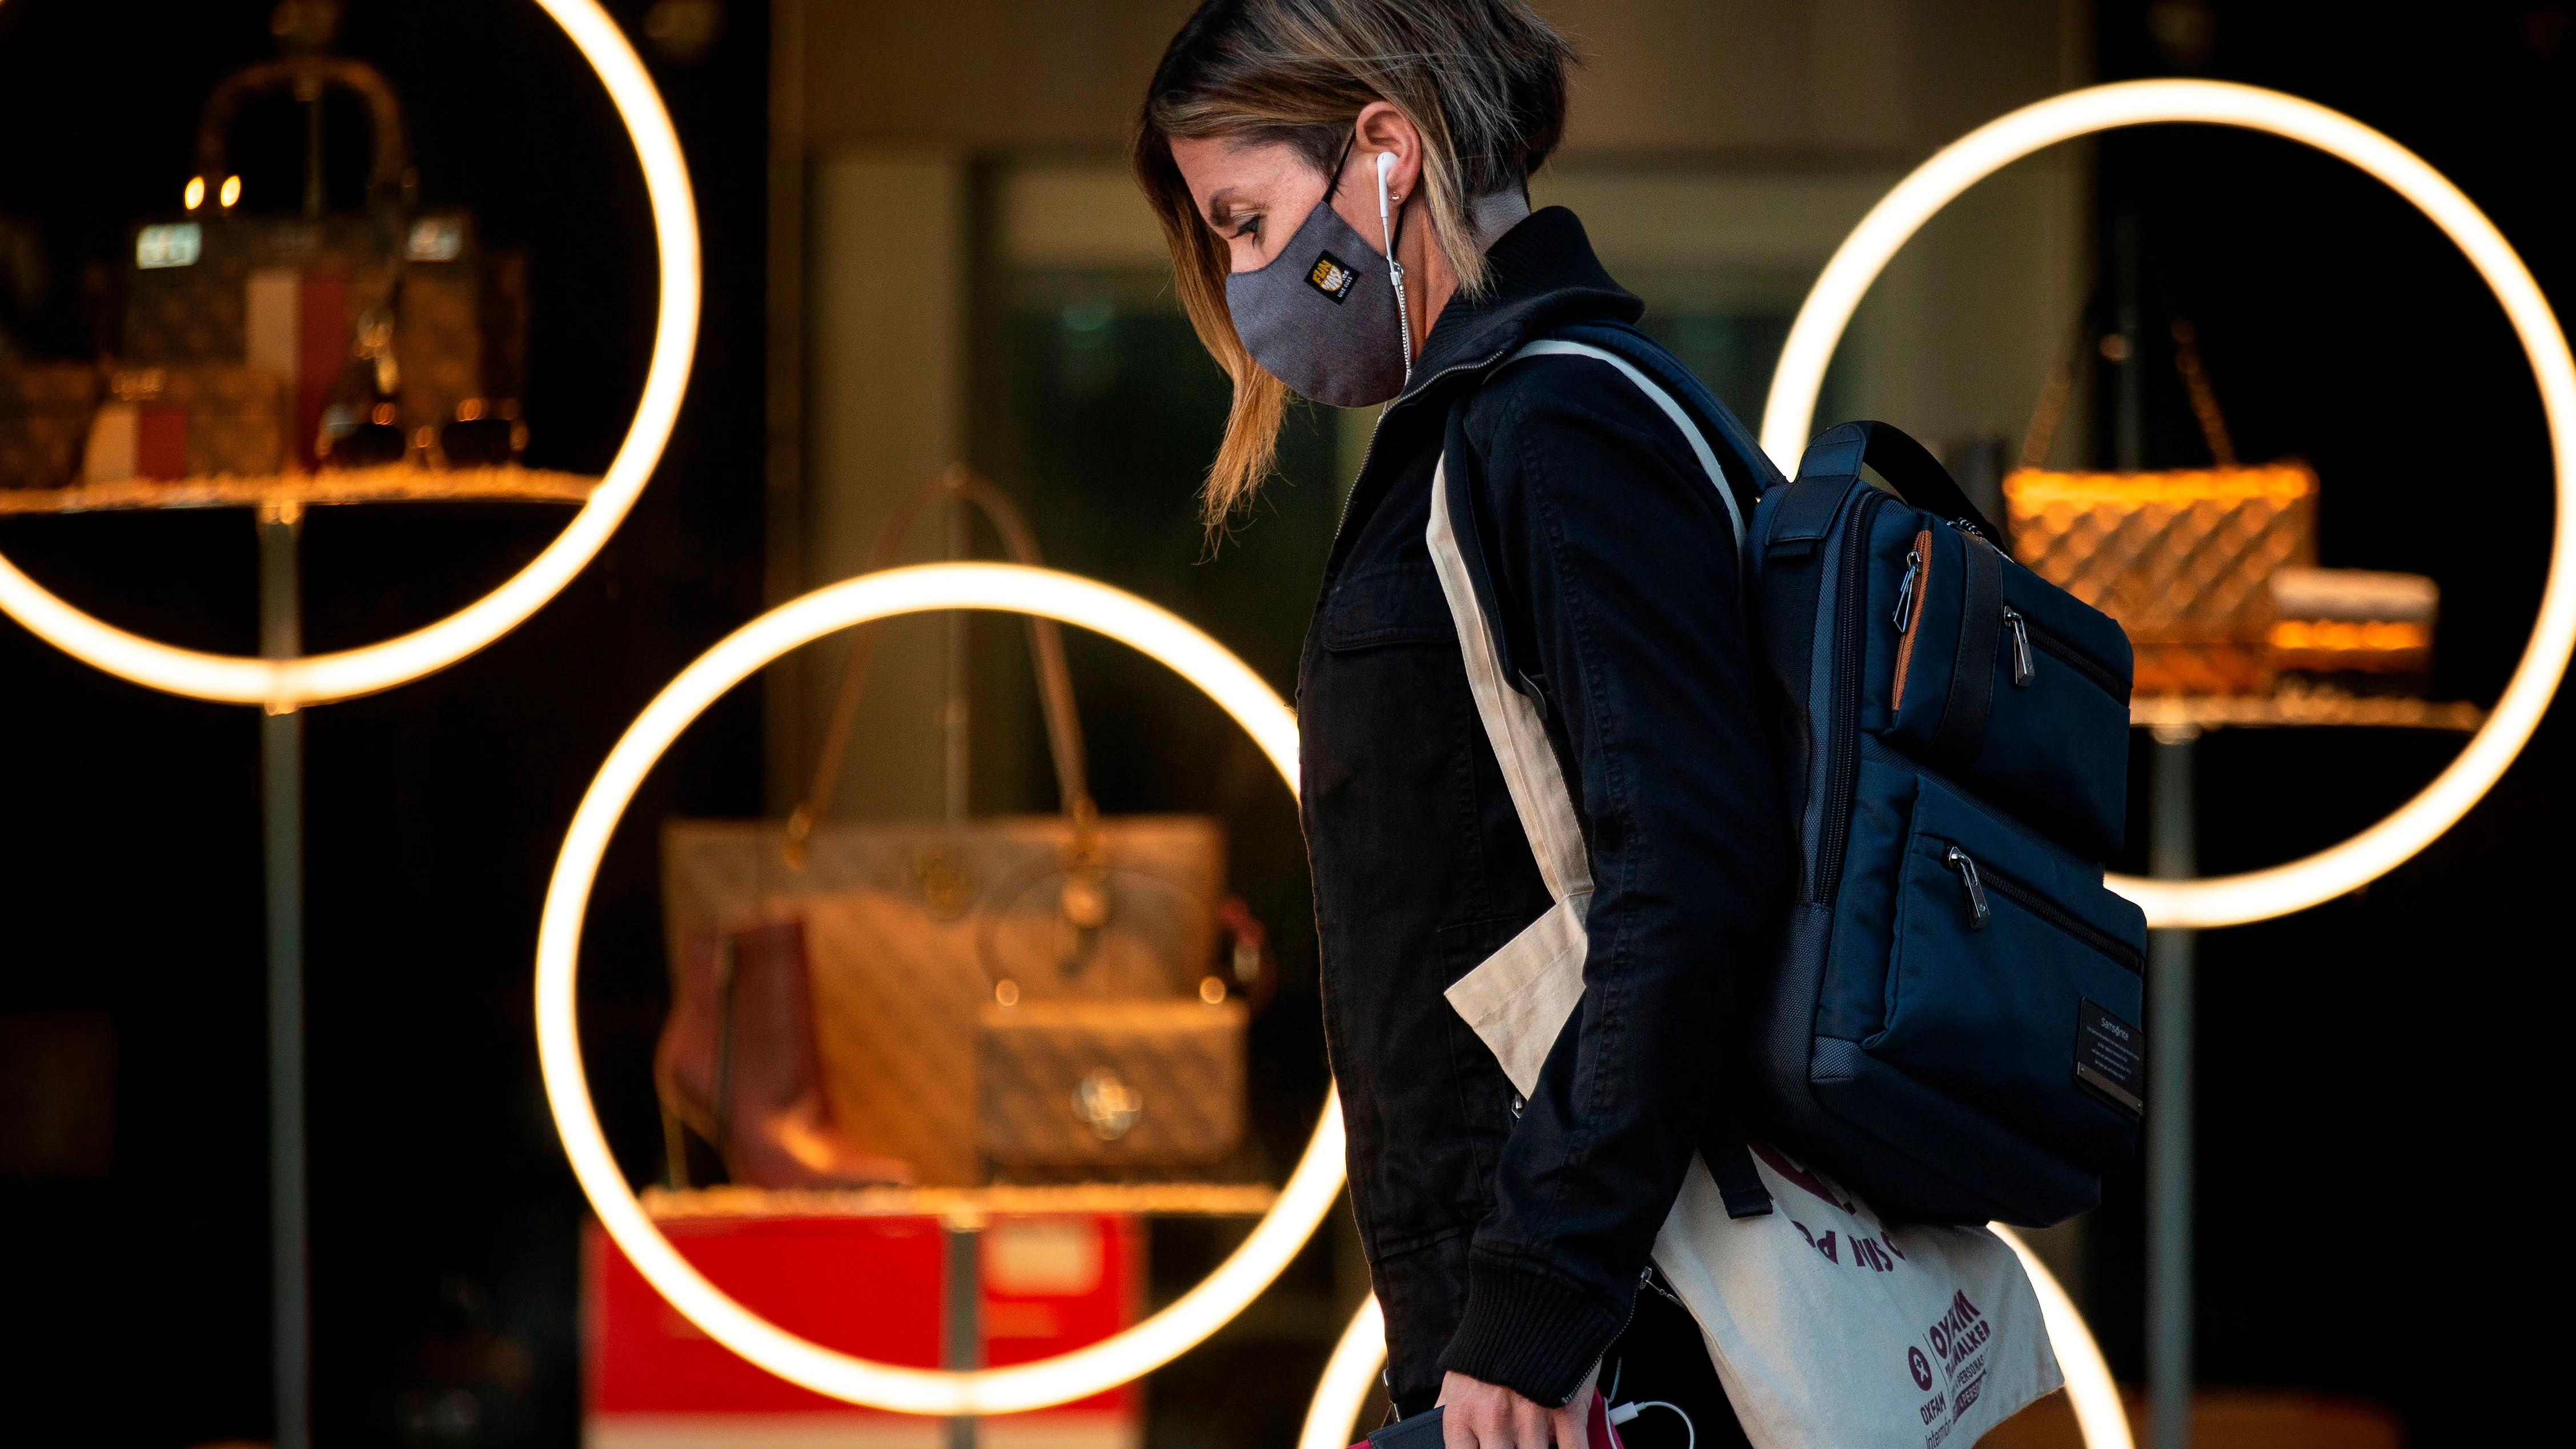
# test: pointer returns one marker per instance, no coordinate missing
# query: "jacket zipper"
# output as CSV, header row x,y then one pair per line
x,y
1842,767
1420,388
1918,578
1977,880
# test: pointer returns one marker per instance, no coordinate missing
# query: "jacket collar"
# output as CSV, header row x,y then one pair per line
x,y
1544,275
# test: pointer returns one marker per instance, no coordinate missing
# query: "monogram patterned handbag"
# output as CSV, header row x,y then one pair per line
x,y
393,333
45,411
1032,997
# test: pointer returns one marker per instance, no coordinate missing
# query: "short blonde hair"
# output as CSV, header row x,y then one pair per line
x,y
1484,81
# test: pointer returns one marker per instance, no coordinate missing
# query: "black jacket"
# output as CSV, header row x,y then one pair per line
x,y
1506,1238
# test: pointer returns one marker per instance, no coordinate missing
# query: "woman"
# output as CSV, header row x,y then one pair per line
x,y
1506,1238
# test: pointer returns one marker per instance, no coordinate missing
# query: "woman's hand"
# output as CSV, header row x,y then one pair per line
x,y
1488,1416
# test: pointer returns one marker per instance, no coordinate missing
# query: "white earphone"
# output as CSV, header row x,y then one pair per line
x,y
1386,164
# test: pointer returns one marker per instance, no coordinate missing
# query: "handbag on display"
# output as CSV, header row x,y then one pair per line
x,y
202,420
393,335
45,412
736,1065
2183,558
1034,997
2360,631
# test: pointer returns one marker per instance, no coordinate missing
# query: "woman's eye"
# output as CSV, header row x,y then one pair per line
x,y
1250,230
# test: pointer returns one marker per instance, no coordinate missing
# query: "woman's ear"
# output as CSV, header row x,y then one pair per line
x,y
1384,128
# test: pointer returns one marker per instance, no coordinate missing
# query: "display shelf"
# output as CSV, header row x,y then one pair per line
x,y
392,483
2302,708
1145,1199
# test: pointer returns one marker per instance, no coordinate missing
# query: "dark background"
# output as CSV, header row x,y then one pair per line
x,y
2375,1094
443,1218
2375,1075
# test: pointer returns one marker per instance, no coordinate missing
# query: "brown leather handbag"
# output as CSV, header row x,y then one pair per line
x,y
1031,997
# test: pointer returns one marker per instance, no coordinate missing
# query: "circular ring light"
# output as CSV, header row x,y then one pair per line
x,y
1348,1376
284,684
1352,1370
2089,1387
1114,1360
2254,895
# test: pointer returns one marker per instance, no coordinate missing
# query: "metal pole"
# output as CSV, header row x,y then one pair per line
x,y
2169,1105
962,1325
281,757
954,739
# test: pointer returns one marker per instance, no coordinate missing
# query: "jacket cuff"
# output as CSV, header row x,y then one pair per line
x,y
1529,1330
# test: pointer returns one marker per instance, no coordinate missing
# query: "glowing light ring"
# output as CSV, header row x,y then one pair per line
x,y
1115,1360
281,683
1352,1370
2089,1387
1790,411
1348,1376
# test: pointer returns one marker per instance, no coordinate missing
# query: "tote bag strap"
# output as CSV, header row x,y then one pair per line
x,y
1518,1000
1707,456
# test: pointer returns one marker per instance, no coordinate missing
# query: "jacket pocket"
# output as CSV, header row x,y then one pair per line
x,y
1396,604
2010,963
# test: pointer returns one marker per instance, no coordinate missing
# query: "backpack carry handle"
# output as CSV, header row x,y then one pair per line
x,y
1917,476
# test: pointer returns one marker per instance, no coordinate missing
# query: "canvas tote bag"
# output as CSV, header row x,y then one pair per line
x,y
1829,1328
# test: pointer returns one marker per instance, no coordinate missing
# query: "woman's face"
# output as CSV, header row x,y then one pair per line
x,y
1255,195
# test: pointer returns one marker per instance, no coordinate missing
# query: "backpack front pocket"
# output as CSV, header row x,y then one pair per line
x,y
2014,984
2005,683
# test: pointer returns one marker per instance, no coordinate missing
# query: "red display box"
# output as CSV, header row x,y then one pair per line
x,y
864,1285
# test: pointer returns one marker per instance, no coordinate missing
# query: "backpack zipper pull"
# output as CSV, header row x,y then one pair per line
x,y
1978,912
2022,667
1904,617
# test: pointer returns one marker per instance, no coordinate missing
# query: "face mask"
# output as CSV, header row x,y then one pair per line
x,y
1326,315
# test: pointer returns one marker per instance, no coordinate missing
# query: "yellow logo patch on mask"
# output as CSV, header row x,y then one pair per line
x,y
1331,277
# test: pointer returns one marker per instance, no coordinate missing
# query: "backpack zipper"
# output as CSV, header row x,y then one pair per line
x,y
2020,628
1966,865
1413,391
1842,767
2073,658
1918,576
1904,616
1979,879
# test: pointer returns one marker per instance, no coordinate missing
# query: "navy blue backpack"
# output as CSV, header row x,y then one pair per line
x,y
1951,1025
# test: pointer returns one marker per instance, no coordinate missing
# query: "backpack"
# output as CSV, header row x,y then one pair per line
x,y
1949,1026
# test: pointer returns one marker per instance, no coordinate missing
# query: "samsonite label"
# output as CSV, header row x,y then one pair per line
x,y
2111,1058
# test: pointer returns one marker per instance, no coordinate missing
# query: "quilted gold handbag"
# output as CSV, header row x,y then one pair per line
x,y
1023,996
2183,558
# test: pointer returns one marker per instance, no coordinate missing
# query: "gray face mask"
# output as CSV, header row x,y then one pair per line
x,y
1324,317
